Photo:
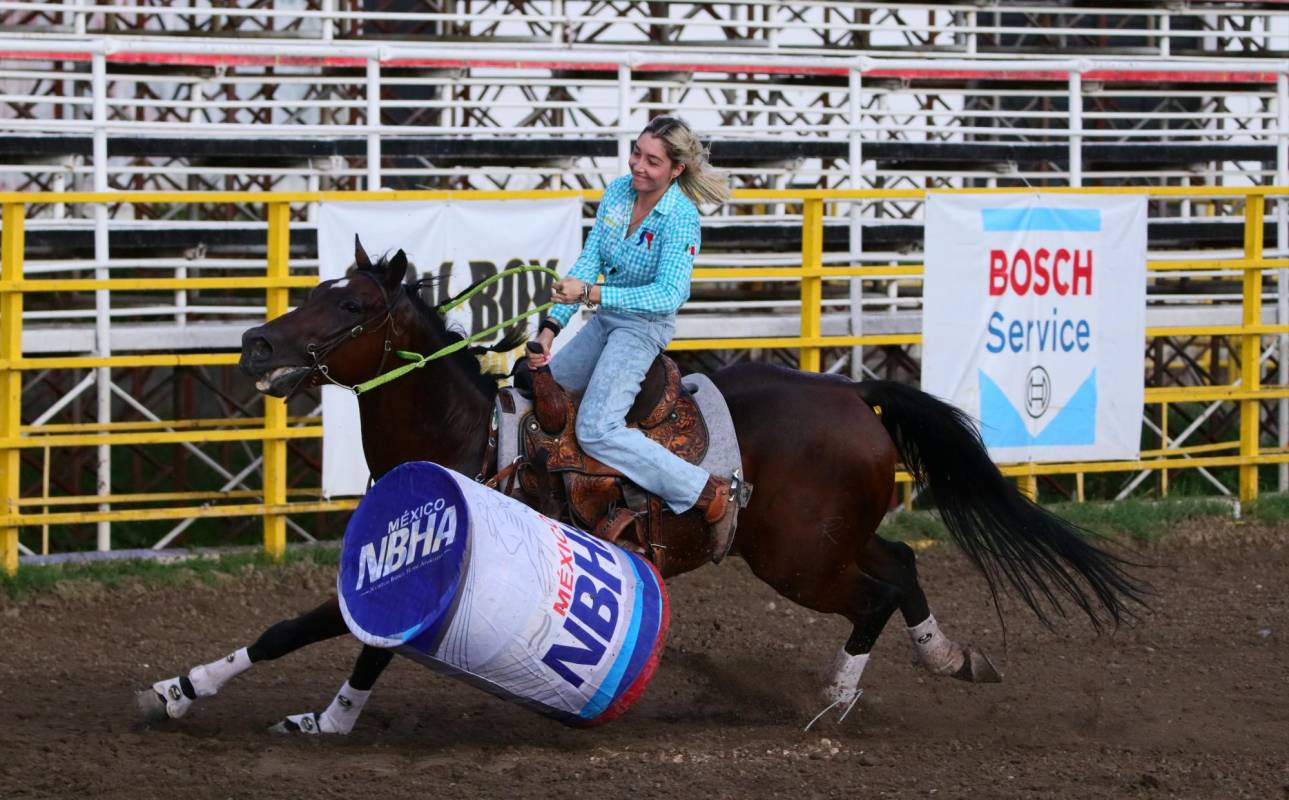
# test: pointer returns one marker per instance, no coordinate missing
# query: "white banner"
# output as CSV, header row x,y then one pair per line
x,y
460,243
1034,320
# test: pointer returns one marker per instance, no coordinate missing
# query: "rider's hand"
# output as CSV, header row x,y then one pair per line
x,y
567,290
544,338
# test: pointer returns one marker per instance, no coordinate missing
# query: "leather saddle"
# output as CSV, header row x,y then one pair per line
x,y
563,482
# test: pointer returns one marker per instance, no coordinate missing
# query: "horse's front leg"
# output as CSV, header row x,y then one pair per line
x,y
173,697
340,716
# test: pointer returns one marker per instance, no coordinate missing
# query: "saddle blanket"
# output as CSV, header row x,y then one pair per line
x,y
474,584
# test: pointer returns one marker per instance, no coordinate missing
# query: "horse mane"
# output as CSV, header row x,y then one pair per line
x,y
467,359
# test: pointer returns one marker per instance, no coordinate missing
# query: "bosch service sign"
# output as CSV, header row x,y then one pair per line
x,y
1035,320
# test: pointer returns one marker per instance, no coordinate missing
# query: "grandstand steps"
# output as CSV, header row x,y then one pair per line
x,y
503,152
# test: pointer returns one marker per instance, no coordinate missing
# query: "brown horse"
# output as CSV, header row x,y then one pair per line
x,y
820,449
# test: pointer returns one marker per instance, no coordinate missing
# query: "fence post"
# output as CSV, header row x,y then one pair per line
x,y
1028,485
279,216
10,379
373,125
812,255
1251,348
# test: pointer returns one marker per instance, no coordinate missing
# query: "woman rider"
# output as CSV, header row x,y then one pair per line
x,y
644,241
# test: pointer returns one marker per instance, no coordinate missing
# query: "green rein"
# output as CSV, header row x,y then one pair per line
x,y
417,360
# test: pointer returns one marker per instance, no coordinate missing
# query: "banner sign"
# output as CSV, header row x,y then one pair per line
x,y
459,243
1034,320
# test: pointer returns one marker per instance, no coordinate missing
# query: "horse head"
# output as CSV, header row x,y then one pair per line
x,y
344,330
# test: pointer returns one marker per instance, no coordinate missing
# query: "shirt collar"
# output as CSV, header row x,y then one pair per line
x,y
668,200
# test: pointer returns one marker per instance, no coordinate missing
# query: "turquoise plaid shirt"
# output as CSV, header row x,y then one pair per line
x,y
647,272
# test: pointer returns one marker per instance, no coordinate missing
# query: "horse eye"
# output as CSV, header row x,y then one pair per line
x,y
351,306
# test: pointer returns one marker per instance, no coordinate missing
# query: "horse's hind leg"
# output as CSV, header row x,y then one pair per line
x,y
872,604
340,716
173,697
896,564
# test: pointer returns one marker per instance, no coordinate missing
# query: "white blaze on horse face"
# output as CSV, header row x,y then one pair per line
x,y
340,284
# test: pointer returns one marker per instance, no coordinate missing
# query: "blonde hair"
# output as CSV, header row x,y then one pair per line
x,y
699,180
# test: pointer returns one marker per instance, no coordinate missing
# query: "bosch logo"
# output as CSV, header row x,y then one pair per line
x,y
1038,392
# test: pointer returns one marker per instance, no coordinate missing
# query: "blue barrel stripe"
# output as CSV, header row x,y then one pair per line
x,y
650,614
609,689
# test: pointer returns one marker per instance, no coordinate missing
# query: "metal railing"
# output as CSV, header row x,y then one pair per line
x,y
274,429
814,26
375,94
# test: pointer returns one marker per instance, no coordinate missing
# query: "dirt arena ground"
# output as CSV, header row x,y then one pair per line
x,y
1191,702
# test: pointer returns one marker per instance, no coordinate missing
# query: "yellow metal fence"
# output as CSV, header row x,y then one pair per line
x,y
274,429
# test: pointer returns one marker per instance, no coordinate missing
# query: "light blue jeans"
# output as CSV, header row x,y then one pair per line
x,y
608,359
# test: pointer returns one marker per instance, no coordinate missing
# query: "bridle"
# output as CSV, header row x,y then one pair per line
x,y
320,351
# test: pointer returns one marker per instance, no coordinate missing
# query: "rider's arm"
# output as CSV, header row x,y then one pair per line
x,y
587,267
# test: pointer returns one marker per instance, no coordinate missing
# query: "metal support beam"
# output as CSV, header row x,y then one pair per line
x,y
812,242
11,246
279,216
1250,347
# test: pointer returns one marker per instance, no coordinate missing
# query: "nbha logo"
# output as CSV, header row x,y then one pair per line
x,y
418,533
593,611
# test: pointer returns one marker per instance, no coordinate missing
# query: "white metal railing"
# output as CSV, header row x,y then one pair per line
x,y
506,93
815,26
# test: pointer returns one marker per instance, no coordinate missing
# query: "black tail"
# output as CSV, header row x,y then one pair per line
x,y
999,529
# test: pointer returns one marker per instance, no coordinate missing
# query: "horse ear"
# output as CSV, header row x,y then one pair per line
x,y
360,255
396,270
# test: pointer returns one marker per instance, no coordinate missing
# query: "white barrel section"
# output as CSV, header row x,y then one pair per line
x,y
477,585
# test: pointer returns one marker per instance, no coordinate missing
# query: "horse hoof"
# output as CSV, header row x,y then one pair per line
x,y
977,668
151,705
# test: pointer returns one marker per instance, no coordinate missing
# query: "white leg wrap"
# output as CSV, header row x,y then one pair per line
x,y
339,718
177,703
207,679
343,712
843,678
939,654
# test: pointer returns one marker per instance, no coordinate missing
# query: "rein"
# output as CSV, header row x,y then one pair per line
x,y
416,359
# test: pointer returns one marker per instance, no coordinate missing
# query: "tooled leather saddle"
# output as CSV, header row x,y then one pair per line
x,y
556,477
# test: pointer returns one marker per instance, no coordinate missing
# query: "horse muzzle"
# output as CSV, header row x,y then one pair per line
x,y
281,381
258,363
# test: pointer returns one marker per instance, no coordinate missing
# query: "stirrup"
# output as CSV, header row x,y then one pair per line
x,y
738,494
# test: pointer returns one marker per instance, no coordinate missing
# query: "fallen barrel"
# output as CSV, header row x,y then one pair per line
x,y
474,584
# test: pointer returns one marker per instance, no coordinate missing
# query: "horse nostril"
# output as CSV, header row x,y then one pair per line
x,y
261,348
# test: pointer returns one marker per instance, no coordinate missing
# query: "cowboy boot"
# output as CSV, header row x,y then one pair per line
x,y
720,512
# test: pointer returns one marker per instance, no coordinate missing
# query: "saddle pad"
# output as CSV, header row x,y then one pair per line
x,y
511,408
723,454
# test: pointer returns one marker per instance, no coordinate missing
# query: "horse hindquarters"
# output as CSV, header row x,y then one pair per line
x,y
824,471
822,490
